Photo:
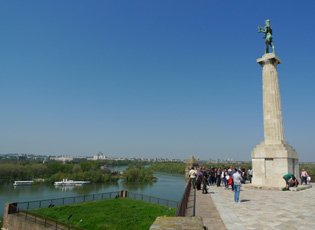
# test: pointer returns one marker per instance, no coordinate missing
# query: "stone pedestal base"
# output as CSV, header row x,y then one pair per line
x,y
271,161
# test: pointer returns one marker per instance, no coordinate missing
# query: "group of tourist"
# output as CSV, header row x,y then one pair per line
x,y
201,178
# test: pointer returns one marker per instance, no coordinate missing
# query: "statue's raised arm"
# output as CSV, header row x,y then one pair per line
x,y
261,29
267,35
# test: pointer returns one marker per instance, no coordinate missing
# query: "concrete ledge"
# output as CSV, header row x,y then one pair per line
x,y
293,189
251,186
177,223
300,187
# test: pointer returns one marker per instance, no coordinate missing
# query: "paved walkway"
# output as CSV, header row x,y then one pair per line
x,y
207,210
259,209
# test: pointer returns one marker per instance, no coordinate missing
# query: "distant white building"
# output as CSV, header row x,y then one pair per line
x,y
99,156
62,158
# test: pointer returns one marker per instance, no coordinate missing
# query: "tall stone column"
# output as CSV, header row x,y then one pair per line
x,y
273,130
273,157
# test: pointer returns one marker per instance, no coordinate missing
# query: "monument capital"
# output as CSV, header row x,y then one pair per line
x,y
269,58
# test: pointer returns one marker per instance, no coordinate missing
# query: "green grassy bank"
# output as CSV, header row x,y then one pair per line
x,y
109,214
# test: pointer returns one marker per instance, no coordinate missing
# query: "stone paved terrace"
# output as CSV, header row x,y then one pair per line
x,y
260,209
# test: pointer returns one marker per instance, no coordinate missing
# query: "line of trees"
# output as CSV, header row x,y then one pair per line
x,y
53,171
169,167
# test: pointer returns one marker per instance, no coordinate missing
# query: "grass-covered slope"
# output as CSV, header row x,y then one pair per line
x,y
108,214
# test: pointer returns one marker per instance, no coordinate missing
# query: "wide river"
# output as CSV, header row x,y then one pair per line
x,y
168,186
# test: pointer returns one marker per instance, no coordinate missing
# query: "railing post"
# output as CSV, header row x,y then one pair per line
x,y
194,210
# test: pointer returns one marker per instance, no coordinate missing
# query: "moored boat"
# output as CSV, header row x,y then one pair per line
x,y
23,182
66,182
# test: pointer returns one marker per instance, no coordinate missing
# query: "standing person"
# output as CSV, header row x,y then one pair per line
x,y
224,173
250,175
199,179
230,182
304,176
244,175
218,177
237,178
212,175
231,170
192,176
204,182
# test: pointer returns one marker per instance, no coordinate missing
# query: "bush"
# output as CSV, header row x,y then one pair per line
x,y
138,174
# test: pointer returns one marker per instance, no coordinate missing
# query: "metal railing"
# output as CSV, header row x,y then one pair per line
x,y
152,199
46,221
65,200
22,208
28,205
182,207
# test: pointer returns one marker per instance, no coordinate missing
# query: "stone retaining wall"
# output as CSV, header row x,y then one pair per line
x,y
183,223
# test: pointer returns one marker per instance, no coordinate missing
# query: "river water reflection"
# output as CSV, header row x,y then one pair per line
x,y
168,186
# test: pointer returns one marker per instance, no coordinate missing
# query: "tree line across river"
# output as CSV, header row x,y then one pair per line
x,y
93,171
99,172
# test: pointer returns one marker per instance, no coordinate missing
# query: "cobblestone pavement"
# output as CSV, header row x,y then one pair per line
x,y
265,209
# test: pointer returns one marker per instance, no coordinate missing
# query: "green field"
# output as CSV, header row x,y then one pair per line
x,y
109,214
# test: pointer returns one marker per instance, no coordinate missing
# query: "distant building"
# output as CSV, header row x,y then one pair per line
x,y
99,156
62,158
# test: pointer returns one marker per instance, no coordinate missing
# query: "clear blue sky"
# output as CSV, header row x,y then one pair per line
x,y
151,78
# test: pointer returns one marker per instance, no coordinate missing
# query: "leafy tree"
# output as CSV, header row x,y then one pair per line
x,y
138,174
169,167
76,168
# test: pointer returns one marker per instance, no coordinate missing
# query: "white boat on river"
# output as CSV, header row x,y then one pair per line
x,y
23,182
66,182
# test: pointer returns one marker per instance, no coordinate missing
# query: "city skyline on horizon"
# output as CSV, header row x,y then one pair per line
x,y
151,78
116,156
108,156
